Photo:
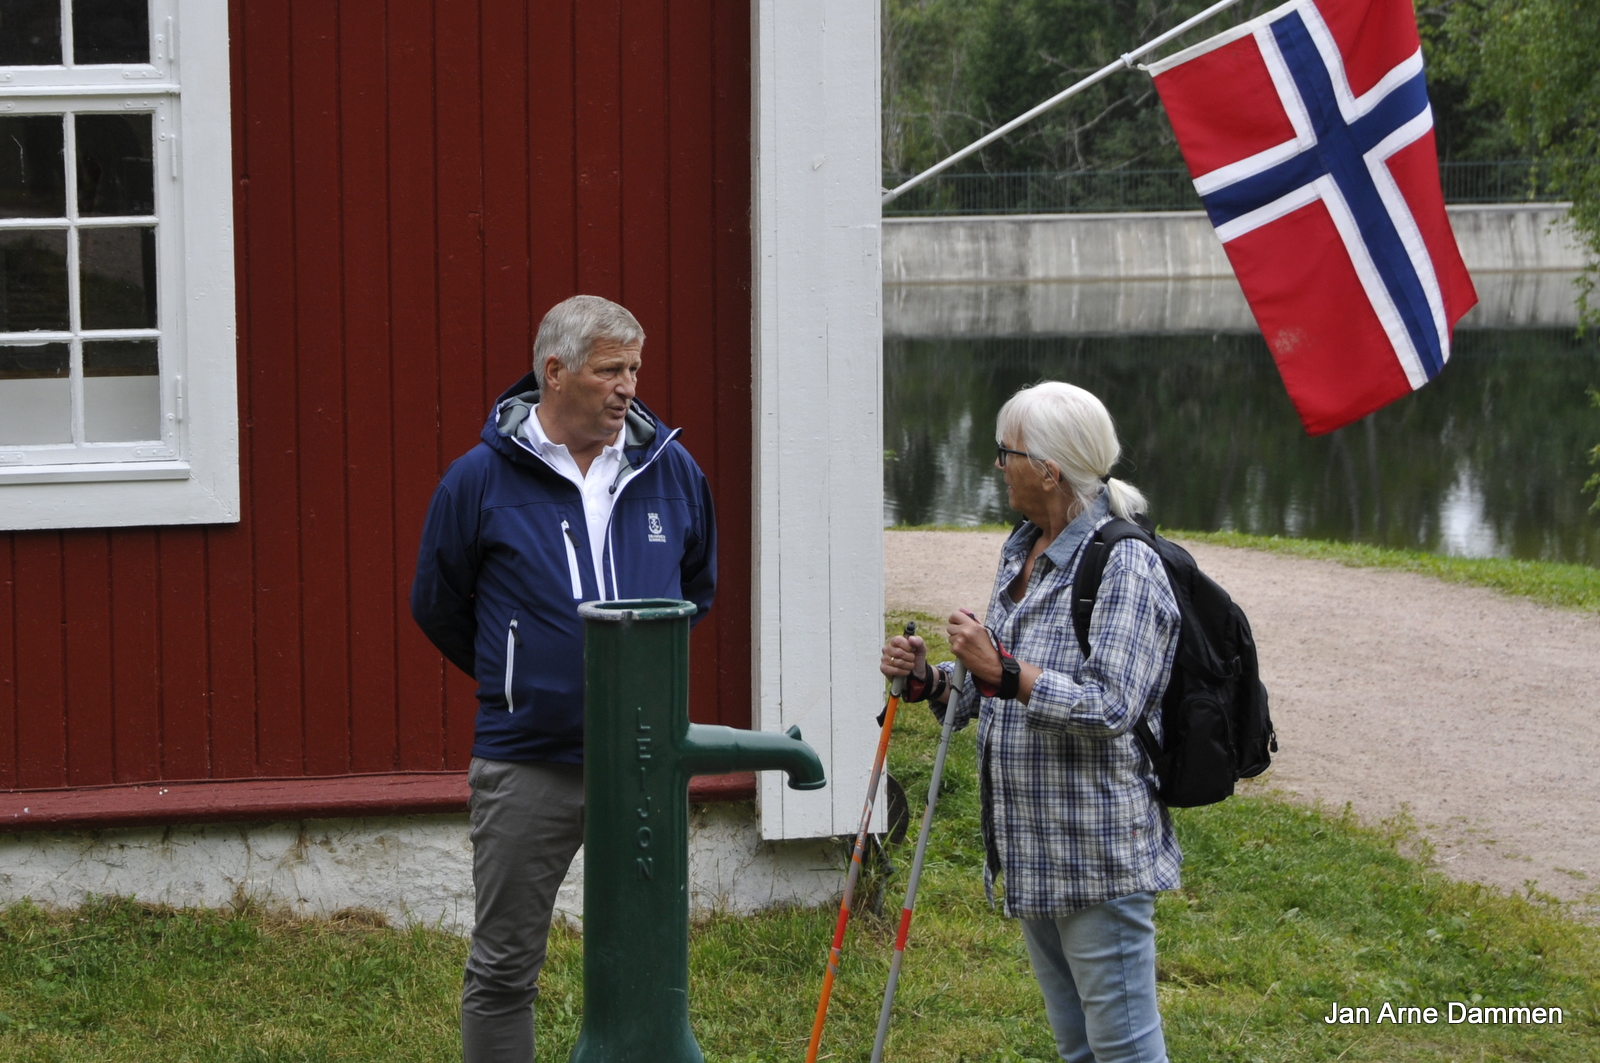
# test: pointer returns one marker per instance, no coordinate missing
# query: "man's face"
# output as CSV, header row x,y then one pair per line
x,y
593,402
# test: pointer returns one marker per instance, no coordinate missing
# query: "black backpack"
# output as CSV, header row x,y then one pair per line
x,y
1214,714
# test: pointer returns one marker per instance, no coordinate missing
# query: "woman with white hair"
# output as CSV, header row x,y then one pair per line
x,y
1071,819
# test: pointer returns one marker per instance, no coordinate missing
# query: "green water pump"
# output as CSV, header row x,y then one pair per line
x,y
639,752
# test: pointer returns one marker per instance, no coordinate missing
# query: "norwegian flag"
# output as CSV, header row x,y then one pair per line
x,y
1308,134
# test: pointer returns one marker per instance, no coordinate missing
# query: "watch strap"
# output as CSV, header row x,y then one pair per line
x,y
1010,677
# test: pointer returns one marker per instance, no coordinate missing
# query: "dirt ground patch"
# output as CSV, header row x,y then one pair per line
x,y
1476,714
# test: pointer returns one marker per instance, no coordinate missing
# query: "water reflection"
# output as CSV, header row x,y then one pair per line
x,y
1488,460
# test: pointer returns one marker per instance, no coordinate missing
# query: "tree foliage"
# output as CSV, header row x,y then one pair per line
x,y
1467,126
955,69
1534,60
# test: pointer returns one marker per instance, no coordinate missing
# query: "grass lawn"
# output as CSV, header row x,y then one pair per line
x,y
1284,910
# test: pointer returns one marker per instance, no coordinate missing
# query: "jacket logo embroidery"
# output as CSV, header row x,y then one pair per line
x,y
655,529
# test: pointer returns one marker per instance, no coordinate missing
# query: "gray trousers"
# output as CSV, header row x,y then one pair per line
x,y
527,823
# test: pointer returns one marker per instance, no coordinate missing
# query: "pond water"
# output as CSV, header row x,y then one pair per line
x,y
1486,461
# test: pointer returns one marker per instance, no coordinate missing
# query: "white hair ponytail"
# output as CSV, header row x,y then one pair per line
x,y
1126,499
1067,425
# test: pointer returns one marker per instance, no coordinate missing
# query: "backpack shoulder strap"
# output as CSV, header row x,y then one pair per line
x,y
1086,590
1086,583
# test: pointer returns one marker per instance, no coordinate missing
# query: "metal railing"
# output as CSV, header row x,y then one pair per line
x,y
1094,191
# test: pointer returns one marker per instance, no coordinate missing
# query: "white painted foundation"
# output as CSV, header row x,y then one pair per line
x,y
413,869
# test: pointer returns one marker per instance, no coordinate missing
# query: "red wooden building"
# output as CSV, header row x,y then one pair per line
x,y
353,216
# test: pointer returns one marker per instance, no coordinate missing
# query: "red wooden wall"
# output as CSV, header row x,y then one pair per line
x,y
416,182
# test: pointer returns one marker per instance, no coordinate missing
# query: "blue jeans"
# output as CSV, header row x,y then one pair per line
x,y
1097,968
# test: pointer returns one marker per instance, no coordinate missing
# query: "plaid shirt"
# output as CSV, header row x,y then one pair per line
x,y
1069,797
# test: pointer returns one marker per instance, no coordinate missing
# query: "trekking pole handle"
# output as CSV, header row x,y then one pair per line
x,y
898,685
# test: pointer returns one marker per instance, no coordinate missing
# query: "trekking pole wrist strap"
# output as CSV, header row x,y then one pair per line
x,y
930,687
1010,675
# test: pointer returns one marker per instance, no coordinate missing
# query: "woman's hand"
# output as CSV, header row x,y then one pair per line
x,y
903,655
970,642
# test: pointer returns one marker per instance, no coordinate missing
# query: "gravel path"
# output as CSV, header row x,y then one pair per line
x,y
1477,713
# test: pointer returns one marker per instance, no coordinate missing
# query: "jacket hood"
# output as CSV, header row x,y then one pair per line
x,y
643,432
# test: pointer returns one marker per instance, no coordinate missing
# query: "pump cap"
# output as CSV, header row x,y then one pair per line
x,y
628,609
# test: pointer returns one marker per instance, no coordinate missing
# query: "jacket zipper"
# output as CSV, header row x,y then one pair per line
x,y
616,489
512,638
611,558
573,570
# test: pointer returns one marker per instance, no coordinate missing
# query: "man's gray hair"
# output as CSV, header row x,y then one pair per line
x,y
571,327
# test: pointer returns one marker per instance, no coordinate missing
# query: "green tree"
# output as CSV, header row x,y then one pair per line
x,y
926,45
1467,127
1534,60
954,69
1026,51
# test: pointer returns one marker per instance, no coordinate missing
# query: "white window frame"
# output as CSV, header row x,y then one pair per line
x,y
192,475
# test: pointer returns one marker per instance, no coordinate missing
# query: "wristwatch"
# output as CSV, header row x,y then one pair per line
x,y
1010,677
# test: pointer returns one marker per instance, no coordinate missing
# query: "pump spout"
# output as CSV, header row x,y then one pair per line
x,y
711,750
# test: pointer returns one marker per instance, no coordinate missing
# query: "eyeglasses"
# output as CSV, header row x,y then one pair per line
x,y
1001,450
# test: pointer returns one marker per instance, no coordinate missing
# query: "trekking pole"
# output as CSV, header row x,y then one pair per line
x,y
855,860
958,679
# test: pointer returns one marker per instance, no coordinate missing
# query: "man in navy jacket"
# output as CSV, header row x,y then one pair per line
x,y
576,492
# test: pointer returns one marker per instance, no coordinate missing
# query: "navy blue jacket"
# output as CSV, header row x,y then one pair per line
x,y
505,560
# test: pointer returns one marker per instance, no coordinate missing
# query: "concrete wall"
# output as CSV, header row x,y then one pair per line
x,y
1087,274
1051,247
1515,237
414,869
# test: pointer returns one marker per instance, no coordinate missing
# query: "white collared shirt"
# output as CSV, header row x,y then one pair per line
x,y
598,498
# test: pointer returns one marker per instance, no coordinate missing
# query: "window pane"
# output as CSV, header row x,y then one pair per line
x,y
33,280
121,391
30,32
115,168
119,277
110,31
35,395
32,169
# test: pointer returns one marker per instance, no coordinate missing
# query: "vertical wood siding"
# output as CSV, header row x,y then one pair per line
x,y
415,183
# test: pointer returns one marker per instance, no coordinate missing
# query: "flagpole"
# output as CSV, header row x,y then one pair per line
x,y
1124,63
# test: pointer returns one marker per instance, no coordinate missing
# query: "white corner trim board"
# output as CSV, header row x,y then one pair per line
x,y
818,616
